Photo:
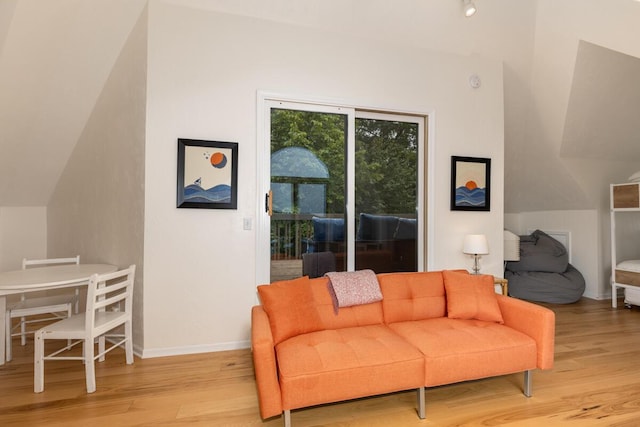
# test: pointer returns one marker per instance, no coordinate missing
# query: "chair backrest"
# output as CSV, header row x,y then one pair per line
x,y
109,292
50,261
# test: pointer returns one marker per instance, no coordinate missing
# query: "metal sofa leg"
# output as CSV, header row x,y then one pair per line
x,y
286,416
527,382
421,409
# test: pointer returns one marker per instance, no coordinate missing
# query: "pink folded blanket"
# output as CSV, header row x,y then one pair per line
x,y
349,288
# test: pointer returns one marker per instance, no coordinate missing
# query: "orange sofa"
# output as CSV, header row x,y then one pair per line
x,y
429,329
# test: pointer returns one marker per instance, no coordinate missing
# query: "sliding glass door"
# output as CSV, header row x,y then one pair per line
x,y
386,193
308,192
344,190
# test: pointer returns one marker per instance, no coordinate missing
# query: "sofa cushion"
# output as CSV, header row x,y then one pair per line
x,y
289,305
357,315
328,229
471,296
335,365
407,229
460,350
354,287
316,264
412,296
376,227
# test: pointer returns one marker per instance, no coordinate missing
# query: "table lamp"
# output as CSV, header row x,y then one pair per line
x,y
476,245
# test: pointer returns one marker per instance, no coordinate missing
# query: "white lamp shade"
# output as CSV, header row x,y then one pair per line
x,y
475,244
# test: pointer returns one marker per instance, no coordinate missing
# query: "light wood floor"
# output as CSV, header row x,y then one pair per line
x,y
595,382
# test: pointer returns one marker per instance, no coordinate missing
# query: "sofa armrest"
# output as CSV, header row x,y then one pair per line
x,y
264,364
533,320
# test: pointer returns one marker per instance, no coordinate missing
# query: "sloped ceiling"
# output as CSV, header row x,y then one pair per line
x,y
56,55
603,116
597,144
54,59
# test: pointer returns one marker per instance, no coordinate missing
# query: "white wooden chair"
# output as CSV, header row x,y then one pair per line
x,y
55,306
109,306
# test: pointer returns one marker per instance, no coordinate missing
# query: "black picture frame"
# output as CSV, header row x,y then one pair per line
x,y
207,174
470,183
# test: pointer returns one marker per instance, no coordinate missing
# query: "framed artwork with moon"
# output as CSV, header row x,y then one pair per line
x,y
470,184
207,174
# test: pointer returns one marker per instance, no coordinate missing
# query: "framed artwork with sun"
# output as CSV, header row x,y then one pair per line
x,y
470,184
207,174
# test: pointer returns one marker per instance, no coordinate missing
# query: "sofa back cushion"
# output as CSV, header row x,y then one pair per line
x,y
376,227
290,307
412,296
471,297
407,229
328,229
357,315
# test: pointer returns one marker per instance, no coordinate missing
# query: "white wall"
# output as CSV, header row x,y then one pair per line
x,y
204,72
534,159
97,208
23,234
562,187
536,40
586,246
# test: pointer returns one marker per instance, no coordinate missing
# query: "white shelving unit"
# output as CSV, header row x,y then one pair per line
x,y
624,198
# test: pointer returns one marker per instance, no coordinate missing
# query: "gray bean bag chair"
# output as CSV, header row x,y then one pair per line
x,y
557,288
543,273
540,252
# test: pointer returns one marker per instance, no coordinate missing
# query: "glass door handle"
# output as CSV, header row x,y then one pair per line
x,y
268,203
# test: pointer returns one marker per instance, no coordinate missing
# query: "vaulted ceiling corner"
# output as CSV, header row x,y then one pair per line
x,y
602,114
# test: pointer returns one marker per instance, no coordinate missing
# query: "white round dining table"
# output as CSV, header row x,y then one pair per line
x,y
43,278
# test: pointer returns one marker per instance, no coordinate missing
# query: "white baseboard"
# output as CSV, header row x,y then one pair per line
x,y
195,349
